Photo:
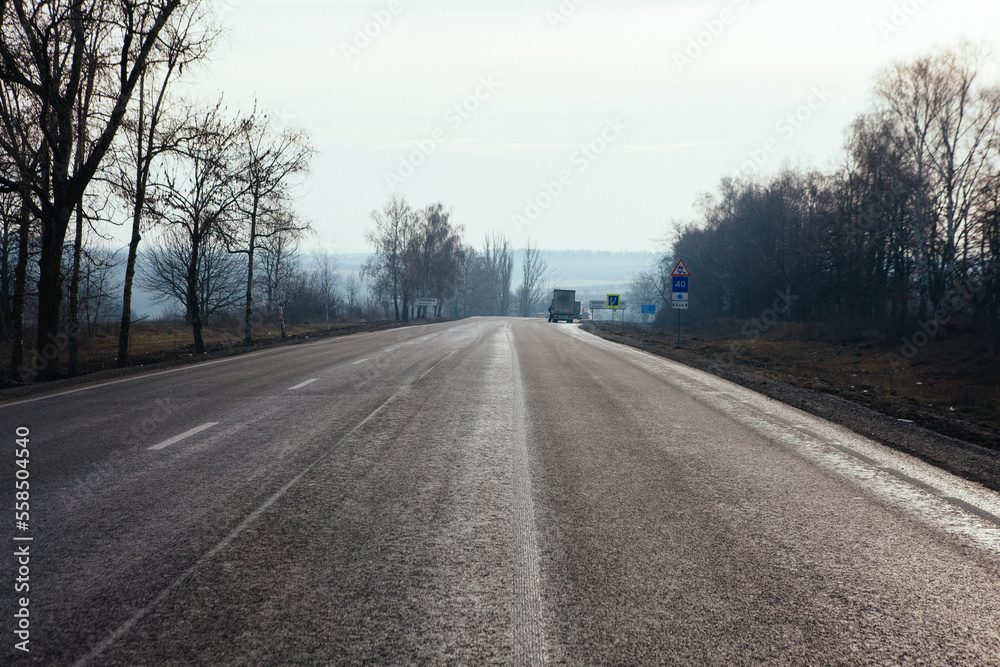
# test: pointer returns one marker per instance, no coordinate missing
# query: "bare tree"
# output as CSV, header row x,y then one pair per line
x,y
395,225
352,294
499,257
326,279
195,191
948,123
218,274
270,161
431,257
532,290
147,133
651,286
50,53
280,259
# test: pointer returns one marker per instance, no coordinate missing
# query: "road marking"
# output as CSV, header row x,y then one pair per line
x,y
125,627
302,384
436,364
359,361
529,630
185,434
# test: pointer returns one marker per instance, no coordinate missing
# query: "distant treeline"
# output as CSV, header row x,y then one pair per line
x,y
903,237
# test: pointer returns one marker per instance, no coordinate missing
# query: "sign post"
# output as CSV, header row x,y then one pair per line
x,y
681,281
614,303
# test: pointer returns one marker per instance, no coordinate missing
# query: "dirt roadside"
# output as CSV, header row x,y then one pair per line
x,y
975,462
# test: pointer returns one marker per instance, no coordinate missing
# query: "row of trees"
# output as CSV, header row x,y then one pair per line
x,y
906,232
420,254
293,287
91,133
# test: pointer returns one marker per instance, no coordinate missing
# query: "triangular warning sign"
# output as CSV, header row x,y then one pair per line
x,y
680,269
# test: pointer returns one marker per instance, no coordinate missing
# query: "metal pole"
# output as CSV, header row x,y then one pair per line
x,y
678,327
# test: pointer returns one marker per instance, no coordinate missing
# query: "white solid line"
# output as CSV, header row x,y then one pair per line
x,y
299,386
359,361
186,434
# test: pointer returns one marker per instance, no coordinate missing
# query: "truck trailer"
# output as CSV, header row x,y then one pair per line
x,y
563,307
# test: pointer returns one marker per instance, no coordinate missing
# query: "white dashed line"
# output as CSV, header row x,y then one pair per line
x,y
303,384
186,434
359,361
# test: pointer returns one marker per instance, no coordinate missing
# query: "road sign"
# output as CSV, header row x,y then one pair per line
x,y
648,309
598,305
680,269
680,284
425,303
615,301
679,296
679,305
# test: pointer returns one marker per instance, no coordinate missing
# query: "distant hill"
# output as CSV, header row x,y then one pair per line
x,y
589,269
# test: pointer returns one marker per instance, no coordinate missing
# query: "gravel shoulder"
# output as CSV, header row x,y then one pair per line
x,y
967,460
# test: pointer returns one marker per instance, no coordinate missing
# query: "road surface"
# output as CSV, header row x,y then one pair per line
x,y
482,491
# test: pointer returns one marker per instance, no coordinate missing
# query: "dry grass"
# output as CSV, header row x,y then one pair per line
x,y
162,341
952,379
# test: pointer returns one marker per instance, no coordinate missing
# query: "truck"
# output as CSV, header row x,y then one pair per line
x,y
563,306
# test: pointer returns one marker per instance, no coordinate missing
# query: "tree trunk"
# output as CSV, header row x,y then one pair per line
x,y
74,294
125,328
193,307
20,290
248,315
50,341
5,276
141,176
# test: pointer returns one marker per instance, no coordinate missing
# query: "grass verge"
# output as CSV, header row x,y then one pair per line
x,y
951,387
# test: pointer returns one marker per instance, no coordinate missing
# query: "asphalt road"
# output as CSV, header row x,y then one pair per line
x,y
482,491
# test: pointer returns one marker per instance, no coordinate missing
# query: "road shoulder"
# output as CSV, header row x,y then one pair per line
x,y
969,461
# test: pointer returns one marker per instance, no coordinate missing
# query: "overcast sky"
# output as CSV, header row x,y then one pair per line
x,y
586,124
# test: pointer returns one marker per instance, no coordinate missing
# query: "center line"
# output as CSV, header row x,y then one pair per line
x,y
299,386
359,361
186,434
